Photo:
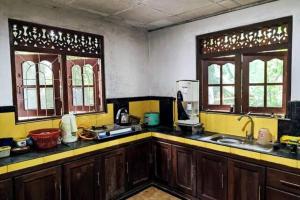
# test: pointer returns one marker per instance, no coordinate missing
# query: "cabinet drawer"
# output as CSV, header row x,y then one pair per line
x,y
283,180
274,194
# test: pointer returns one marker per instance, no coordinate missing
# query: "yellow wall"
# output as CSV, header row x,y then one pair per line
x,y
8,128
228,124
214,122
138,108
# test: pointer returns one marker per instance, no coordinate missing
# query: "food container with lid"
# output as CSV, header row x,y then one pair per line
x,y
4,151
151,119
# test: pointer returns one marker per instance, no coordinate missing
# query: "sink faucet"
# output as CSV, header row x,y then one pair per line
x,y
249,136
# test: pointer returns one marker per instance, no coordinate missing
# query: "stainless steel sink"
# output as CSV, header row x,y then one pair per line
x,y
238,142
227,140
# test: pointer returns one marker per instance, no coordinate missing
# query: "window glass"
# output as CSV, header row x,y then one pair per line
x,y
214,74
275,71
256,96
45,73
77,96
88,96
47,98
228,95
228,73
76,75
274,96
88,75
29,73
257,71
30,98
214,95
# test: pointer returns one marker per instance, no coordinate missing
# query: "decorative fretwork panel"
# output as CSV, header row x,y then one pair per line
x,y
33,36
232,41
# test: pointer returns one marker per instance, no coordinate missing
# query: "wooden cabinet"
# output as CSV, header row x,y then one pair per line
x,y
113,174
81,180
245,181
139,163
162,162
282,185
6,189
211,176
274,194
40,185
184,169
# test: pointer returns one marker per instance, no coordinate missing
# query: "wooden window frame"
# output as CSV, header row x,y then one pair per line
x,y
239,107
220,62
56,90
96,70
265,57
82,51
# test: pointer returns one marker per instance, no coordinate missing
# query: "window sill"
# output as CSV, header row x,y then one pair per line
x,y
55,117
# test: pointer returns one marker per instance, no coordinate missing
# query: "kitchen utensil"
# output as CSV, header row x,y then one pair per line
x,y
134,120
151,118
20,150
45,138
122,117
20,142
5,151
69,128
264,136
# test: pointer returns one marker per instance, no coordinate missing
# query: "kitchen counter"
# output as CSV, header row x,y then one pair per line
x,y
62,151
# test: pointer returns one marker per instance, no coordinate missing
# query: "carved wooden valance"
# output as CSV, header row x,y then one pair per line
x,y
31,36
242,39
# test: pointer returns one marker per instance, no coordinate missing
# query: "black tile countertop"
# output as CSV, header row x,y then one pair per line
x,y
282,152
285,153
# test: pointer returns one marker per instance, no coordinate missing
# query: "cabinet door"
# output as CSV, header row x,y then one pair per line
x,y
162,162
113,171
211,176
183,165
274,194
138,161
40,185
81,180
6,189
246,181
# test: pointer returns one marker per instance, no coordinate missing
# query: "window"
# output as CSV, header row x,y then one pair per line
x,y
220,83
265,82
55,71
246,68
38,84
83,78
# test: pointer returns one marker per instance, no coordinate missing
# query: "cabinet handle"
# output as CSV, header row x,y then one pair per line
x,y
290,184
127,167
259,192
60,197
222,180
98,178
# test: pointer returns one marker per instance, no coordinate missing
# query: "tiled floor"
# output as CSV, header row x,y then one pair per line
x,y
152,193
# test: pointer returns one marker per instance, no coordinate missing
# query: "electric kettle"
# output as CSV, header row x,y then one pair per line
x,y
69,128
122,117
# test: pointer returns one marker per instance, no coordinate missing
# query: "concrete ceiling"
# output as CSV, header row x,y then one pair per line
x,y
154,14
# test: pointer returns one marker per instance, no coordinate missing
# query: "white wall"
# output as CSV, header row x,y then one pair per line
x,y
126,49
132,70
172,50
